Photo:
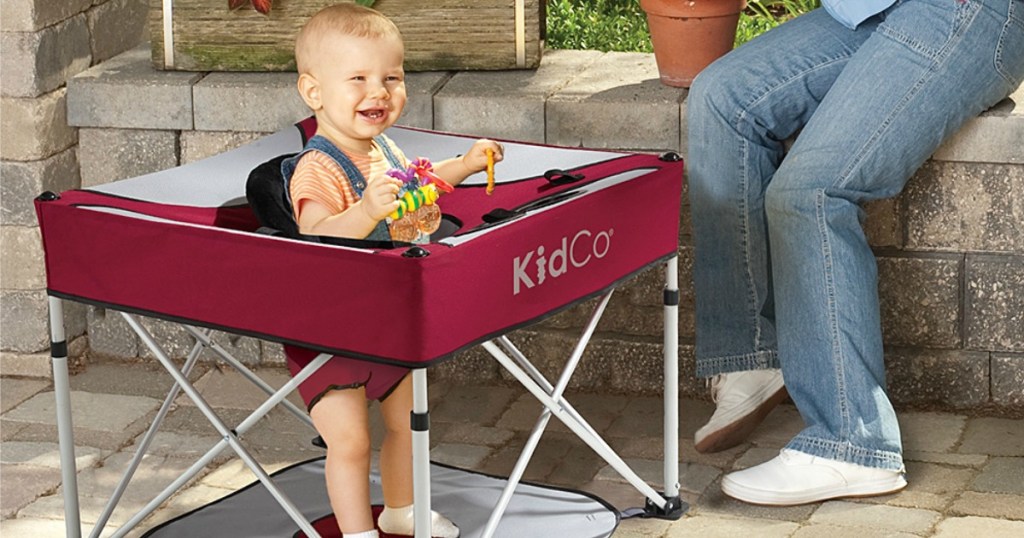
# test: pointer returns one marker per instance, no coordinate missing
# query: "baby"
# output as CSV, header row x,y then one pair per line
x,y
350,74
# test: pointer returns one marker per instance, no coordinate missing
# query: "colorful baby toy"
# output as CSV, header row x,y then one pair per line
x,y
417,216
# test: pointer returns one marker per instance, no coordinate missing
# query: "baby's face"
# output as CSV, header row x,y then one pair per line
x,y
362,87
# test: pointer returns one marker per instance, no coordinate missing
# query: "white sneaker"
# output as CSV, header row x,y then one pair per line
x,y
794,477
744,399
400,521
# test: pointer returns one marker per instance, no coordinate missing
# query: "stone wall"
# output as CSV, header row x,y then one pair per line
x,y
950,248
43,44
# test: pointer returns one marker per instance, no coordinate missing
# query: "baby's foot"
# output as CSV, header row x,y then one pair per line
x,y
400,521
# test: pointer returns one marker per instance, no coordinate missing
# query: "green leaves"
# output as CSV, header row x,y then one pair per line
x,y
367,3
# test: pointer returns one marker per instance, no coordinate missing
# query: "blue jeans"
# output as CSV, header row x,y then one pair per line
x,y
784,274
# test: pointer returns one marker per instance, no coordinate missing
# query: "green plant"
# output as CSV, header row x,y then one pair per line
x,y
620,25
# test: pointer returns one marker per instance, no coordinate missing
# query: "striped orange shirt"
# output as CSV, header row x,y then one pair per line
x,y
317,177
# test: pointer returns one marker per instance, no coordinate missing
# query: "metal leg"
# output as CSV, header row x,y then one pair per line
x,y
671,365
65,428
420,423
227,435
143,445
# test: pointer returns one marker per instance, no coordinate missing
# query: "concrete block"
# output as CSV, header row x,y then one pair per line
x,y
22,263
966,207
507,104
23,484
953,379
197,145
34,63
110,335
994,303
996,505
271,354
13,391
993,137
930,432
36,128
889,518
107,155
24,319
1008,379
31,365
956,527
116,26
883,223
173,340
599,108
420,89
244,348
126,92
33,15
995,437
24,181
261,102
920,301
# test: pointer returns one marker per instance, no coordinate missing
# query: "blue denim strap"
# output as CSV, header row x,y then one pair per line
x,y
354,176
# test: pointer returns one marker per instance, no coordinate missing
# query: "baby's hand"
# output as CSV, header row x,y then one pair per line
x,y
476,158
380,197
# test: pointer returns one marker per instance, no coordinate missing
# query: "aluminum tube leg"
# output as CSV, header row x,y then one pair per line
x,y
143,445
65,427
420,423
225,433
247,373
671,365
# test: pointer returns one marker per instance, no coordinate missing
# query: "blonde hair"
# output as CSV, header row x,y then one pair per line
x,y
346,19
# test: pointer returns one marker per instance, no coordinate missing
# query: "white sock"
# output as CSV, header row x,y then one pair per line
x,y
372,533
400,521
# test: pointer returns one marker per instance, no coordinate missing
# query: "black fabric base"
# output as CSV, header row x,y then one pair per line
x,y
465,497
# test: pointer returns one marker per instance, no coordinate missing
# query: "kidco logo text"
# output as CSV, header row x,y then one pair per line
x,y
529,271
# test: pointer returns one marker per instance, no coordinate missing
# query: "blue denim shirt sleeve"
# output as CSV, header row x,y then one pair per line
x,y
850,13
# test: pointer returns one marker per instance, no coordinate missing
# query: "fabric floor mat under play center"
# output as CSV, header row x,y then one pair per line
x,y
464,497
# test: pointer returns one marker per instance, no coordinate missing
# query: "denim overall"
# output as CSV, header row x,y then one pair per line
x,y
355,177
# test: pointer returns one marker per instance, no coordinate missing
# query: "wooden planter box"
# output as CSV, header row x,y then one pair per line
x,y
439,34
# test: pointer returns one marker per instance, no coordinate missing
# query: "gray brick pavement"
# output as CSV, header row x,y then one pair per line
x,y
964,472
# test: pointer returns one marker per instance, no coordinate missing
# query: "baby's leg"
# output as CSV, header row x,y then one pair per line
x,y
396,468
341,419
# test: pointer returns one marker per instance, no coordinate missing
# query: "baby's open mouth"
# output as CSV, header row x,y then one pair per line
x,y
374,114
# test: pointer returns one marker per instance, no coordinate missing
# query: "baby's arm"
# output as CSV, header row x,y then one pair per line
x,y
378,201
457,169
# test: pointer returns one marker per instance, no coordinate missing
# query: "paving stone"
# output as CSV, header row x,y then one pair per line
x,y
929,487
478,405
920,301
875,516
636,419
993,436
778,428
995,505
32,365
832,531
107,414
713,526
229,389
13,391
22,484
598,108
506,104
125,92
139,378
598,410
478,435
1001,475
642,528
95,486
29,527
965,207
37,454
978,526
951,379
460,455
930,432
754,456
693,477
974,461
994,302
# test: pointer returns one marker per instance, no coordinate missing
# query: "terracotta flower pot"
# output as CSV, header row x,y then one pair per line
x,y
688,35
